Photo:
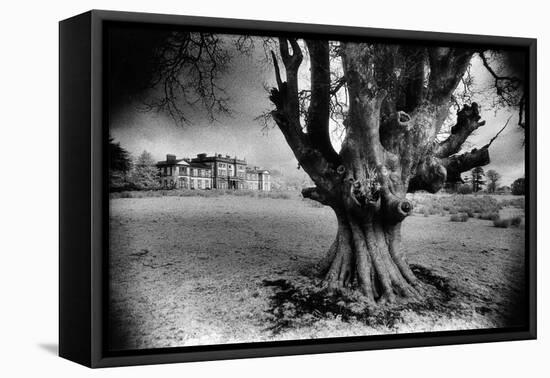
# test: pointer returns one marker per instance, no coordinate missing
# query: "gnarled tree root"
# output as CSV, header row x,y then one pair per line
x,y
367,254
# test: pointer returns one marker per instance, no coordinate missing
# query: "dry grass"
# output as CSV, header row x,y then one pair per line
x,y
210,193
455,204
226,269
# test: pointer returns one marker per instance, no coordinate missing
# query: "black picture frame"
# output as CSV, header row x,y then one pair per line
x,y
83,195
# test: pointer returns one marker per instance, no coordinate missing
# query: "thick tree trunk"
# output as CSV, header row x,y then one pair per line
x,y
366,254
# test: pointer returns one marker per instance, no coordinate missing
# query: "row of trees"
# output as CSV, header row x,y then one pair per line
x,y
128,173
488,181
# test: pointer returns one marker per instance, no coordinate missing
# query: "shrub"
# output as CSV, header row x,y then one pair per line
x,y
515,202
482,206
461,217
433,210
489,216
518,187
516,221
464,189
502,223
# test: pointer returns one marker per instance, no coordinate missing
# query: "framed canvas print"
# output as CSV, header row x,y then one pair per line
x,y
234,188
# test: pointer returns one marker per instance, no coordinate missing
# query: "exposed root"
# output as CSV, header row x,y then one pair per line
x,y
367,255
298,304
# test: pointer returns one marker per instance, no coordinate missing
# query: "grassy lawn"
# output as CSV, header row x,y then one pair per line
x,y
189,270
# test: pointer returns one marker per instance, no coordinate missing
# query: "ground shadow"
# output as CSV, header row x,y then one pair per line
x,y
51,348
295,305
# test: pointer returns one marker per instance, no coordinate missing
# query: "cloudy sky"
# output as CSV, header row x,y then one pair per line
x,y
241,135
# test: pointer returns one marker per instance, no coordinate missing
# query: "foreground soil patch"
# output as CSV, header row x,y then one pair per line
x,y
193,271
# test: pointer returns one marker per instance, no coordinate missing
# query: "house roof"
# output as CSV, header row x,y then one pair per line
x,y
251,170
220,158
172,162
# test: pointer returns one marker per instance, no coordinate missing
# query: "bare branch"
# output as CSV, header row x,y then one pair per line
x,y
498,78
509,89
286,116
457,164
447,68
277,70
468,120
497,134
317,121
317,195
188,69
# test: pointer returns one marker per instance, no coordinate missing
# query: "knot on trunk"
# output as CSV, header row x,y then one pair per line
x,y
398,209
365,194
341,170
403,119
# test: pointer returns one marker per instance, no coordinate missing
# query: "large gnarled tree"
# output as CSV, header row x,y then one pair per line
x,y
398,101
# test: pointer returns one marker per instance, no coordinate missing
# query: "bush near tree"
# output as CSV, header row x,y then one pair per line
x,y
518,187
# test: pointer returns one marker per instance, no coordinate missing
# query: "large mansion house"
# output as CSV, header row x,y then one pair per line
x,y
211,172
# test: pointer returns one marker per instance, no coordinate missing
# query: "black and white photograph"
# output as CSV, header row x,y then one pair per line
x,y
280,189
268,188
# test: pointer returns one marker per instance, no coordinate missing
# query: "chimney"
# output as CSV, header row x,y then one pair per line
x,y
201,156
170,158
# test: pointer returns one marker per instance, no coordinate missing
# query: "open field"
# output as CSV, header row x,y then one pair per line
x,y
224,269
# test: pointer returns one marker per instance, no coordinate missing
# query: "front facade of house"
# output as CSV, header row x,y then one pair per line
x,y
258,179
182,174
227,172
212,172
